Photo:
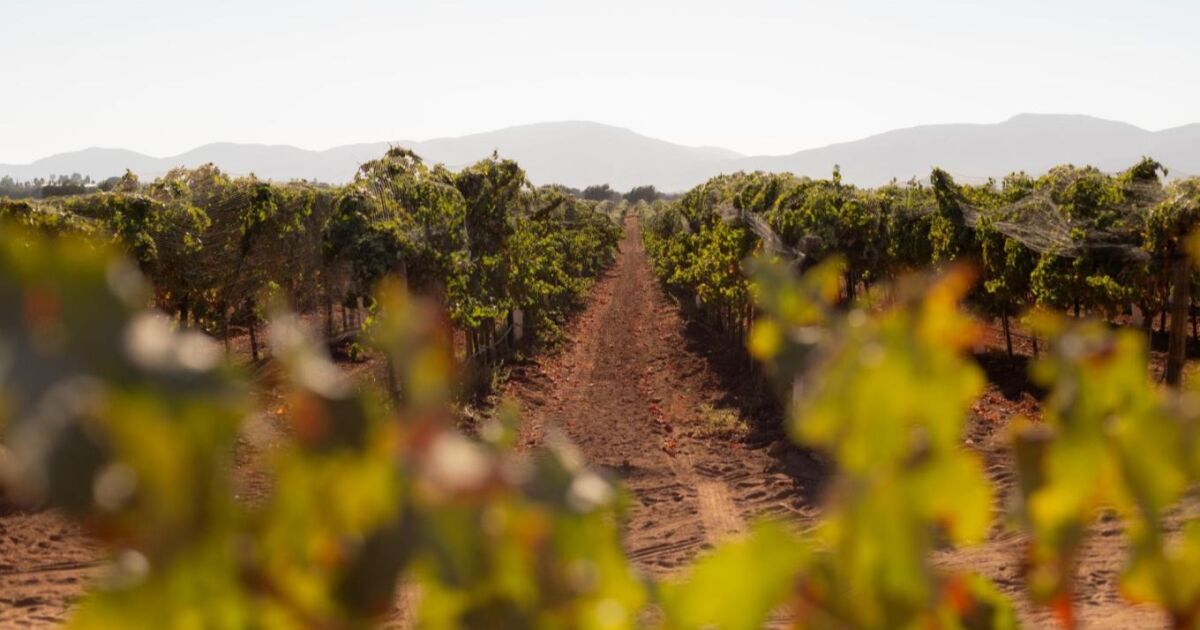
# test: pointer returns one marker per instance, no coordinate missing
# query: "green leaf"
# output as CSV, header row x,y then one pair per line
x,y
739,583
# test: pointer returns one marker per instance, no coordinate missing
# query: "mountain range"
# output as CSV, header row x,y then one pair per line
x,y
579,154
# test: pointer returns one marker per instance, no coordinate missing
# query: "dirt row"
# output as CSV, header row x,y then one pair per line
x,y
635,391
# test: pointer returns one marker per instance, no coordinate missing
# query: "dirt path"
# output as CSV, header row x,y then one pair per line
x,y
634,392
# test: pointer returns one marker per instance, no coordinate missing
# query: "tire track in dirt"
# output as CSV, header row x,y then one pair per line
x,y
630,390
45,562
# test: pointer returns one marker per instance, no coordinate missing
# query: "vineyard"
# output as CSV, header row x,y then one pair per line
x,y
757,404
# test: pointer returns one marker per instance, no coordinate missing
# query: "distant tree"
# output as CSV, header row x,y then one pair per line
x,y
109,184
14,189
566,190
67,185
642,193
602,192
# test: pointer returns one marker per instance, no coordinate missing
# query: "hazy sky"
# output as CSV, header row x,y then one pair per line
x,y
757,76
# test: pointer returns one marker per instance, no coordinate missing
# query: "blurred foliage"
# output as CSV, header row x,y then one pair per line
x,y
1112,443
864,392
130,426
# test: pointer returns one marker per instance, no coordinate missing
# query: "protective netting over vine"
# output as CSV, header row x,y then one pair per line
x,y
1102,245
771,242
1074,238
1045,226
1111,226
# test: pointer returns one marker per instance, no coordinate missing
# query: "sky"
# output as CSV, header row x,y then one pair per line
x,y
756,76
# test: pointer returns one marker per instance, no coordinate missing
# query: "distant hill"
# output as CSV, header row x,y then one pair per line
x,y
576,154
1029,142
579,154
280,162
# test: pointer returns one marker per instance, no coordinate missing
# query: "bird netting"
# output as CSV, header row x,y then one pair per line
x,y
1060,217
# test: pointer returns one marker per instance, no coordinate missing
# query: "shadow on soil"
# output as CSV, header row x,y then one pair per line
x,y
745,388
1009,374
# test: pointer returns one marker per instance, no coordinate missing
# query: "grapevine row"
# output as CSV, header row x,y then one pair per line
x,y
219,249
1073,239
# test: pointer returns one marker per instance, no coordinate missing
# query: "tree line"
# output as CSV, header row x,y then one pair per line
x,y
53,186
